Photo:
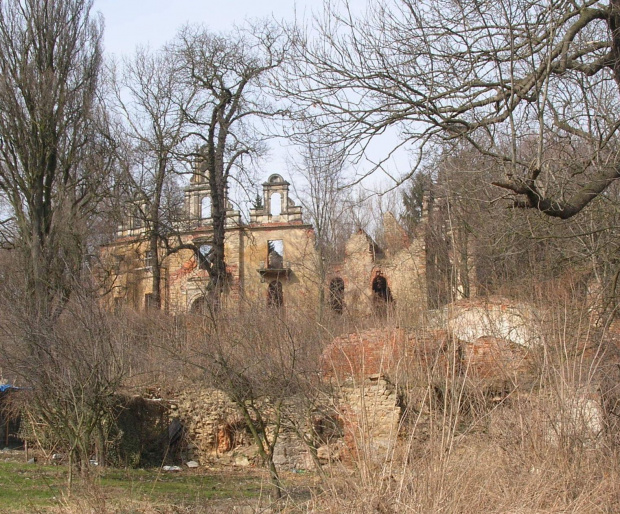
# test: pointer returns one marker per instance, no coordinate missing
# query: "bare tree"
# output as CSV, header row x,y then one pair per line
x,y
266,365
226,73
417,187
152,101
322,169
50,55
512,79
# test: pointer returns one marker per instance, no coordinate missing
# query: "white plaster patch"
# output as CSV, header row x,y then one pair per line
x,y
515,322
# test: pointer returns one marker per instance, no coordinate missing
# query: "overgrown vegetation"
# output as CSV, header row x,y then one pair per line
x,y
512,197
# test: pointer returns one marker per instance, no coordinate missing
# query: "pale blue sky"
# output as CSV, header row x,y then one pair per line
x,y
129,23
154,22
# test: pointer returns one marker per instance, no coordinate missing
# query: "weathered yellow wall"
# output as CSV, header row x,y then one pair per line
x,y
356,273
302,285
402,263
245,252
125,276
404,268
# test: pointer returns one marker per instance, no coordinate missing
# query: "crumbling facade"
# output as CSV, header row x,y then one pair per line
x,y
271,260
379,280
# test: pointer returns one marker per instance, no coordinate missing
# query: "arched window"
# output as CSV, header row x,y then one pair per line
x,y
336,295
275,204
275,297
381,294
204,304
205,208
199,305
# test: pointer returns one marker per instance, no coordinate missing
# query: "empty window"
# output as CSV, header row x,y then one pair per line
x,y
381,293
149,301
275,204
150,259
198,305
275,297
336,295
275,254
205,208
205,256
205,304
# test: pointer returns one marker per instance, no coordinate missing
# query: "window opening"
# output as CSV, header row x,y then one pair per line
x,y
150,259
382,296
275,297
205,256
149,301
199,305
275,204
275,254
205,304
336,295
205,208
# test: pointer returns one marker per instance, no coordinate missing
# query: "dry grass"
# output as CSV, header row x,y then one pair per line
x,y
512,465
547,443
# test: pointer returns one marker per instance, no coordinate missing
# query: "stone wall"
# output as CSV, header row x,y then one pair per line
x,y
370,413
362,354
496,317
369,372
371,369
211,422
215,430
402,262
183,282
128,274
366,402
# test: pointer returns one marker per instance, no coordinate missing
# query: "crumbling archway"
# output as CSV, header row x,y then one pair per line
x,y
204,304
199,305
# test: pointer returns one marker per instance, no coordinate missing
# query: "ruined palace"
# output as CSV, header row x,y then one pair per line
x,y
271,260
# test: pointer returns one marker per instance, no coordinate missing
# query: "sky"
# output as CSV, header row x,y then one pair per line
x,y
129,23
154,22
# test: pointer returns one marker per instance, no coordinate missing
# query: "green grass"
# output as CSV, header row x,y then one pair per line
x,y
185,486
24,486
34,487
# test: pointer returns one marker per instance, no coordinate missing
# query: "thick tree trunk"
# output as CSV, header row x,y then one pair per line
x,y
155,236
156,272
217,183
218,267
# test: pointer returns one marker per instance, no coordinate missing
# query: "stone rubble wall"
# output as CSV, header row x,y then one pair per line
x,y
207,416
214,429
371,414
367,372
517,322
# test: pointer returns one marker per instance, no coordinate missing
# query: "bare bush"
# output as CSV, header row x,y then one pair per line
x,y
540,443
70,371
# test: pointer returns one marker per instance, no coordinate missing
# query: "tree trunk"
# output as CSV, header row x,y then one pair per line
x,y
217,183
155,270
274,477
